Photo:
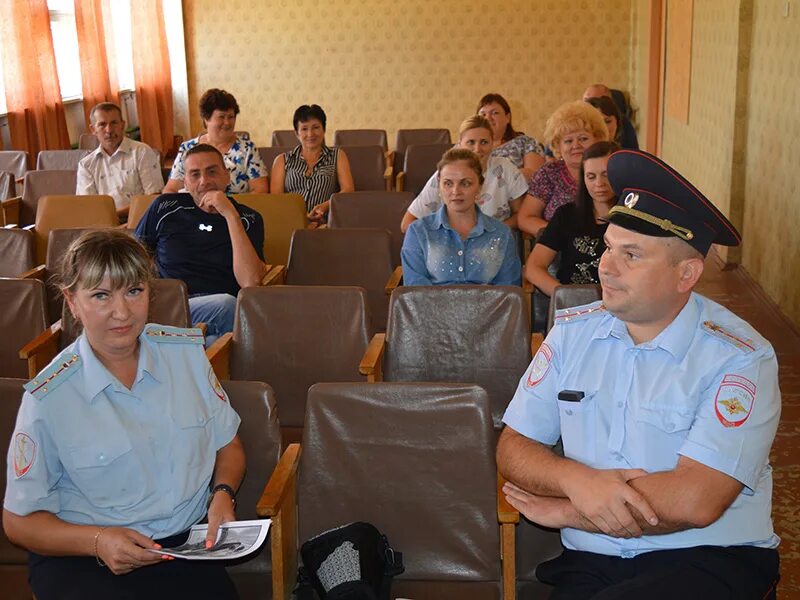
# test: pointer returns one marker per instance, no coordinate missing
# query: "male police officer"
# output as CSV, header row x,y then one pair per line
x,y
667,405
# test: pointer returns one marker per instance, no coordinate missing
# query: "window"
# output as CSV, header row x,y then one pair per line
x,y
65,44
123,45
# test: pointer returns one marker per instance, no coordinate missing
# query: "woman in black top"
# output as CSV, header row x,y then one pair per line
x,y
576,230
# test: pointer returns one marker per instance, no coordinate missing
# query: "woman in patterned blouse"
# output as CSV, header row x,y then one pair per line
x,y
312,169
248,173
525,152
570,130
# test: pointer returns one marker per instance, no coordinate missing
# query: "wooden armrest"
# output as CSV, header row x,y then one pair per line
x,y
41,349
537,339
372,362
202,327
505,512
11,209
387,176
394,280
219,355
275,276
274,493
400,183
34,273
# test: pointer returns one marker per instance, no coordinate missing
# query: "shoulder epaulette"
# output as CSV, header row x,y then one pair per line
x,y
174,335
718,331
578,313
56,373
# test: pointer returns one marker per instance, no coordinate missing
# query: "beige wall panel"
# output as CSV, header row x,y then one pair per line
x,y
403,63
772,208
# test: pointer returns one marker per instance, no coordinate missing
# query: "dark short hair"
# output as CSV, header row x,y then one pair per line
x,y
216,99
204,149
105,107
307,112
509,133
609,108
584,206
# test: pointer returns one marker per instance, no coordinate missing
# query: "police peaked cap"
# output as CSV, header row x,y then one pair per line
x,y
654,199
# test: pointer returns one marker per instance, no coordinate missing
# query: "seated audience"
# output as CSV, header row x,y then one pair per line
x,y
312,169
247,172
627,137
206,239
119,167
503,185
576,229
124,442
570,130
459,244
611,116
525,152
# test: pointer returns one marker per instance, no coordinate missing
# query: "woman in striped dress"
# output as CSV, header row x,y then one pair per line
x,y
312,169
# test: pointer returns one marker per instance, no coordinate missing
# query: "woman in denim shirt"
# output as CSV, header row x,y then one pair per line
x,y
459,244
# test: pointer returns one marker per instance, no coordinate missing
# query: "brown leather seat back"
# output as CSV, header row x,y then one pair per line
x,y
284,137
567,296
139,205
468,334
417,461
367,166
67,211
169,305
270,153
381,210
8,185
409,137
16,252
420,164
361,137
23,316
259,432
294,336
88,141
43,183
59,159
352,257
15,161
58,242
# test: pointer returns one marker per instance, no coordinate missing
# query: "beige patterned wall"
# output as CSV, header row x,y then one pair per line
x,y
402,63
772,209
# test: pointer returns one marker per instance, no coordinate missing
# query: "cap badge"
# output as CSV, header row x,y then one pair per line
x,y
631,199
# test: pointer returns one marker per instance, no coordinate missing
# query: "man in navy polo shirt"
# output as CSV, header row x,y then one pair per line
x,y
208,240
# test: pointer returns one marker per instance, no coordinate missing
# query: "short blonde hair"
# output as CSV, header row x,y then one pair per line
x,y
475,122
461,154
574,116
102,252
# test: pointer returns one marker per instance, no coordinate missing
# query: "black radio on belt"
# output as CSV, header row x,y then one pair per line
x,y
570,395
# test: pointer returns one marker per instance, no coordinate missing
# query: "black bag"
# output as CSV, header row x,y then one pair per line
x,y
352,562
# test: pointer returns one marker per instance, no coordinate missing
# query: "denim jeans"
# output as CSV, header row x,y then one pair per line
x,y
217,311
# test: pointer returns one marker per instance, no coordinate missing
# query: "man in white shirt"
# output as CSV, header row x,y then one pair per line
x,y
120,166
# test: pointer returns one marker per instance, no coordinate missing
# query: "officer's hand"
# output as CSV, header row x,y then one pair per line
x,y
219,511
604,498
124,550
217,202
544,510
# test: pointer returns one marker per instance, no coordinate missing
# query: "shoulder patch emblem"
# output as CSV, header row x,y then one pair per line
x,y
540,365
567,315
174,335
24,454
53,376
745,345
215,384
735,399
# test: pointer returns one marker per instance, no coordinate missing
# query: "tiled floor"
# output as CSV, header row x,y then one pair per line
x,y
736,290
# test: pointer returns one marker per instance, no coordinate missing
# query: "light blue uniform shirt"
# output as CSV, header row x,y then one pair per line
x,y
434,254
92,452
706,388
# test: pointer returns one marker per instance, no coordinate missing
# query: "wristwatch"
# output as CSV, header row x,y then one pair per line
x,y
221,487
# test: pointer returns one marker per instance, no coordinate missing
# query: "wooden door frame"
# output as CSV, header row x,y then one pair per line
x,y
656,65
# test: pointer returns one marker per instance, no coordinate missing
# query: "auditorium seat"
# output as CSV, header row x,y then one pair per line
x,y
368,168
408,137
283,214
292,337
13,560
462,333
419,164
139,205
88,141
15,161
43,183
17,252
567,296
260,435
417,461
59,159
23,317
284,137
382,210
361,137
8,185
350,257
